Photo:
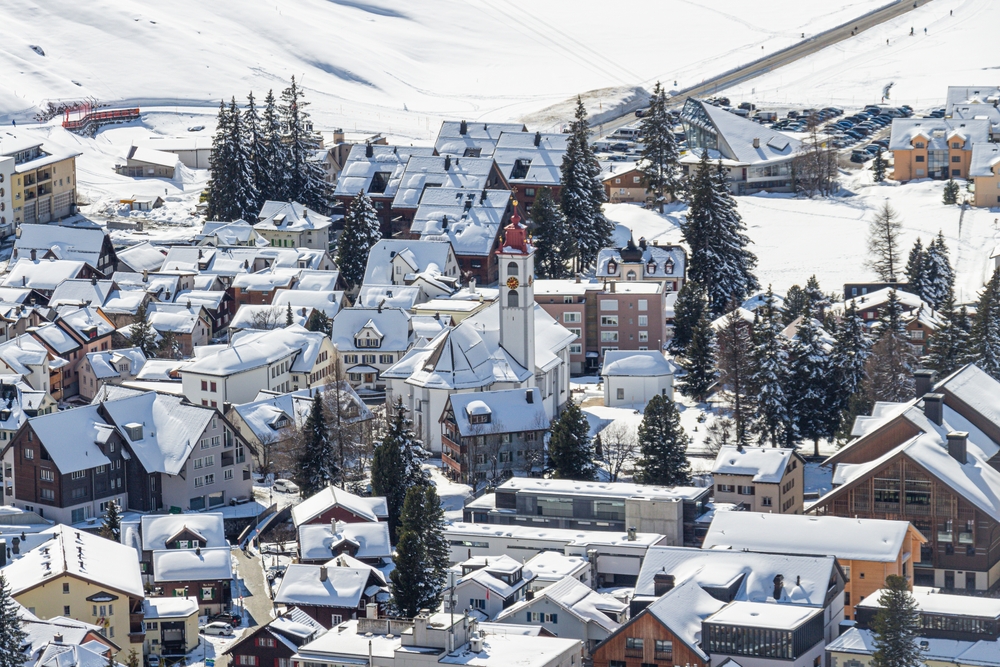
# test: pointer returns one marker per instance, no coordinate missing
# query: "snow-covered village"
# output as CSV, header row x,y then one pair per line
x,y
330,336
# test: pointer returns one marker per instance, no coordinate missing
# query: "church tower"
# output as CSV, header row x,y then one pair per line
x,y
517,294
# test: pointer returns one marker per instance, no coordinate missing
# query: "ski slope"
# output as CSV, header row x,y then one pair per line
x,y
383,65
956,50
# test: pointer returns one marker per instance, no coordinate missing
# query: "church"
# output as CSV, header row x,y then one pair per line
x,y
512,344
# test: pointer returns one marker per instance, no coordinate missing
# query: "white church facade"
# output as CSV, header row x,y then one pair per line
x,y
512,344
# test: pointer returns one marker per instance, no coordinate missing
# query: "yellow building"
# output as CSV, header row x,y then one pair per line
x,y
171,625
42,186
85,577
985,174
934,147
761,479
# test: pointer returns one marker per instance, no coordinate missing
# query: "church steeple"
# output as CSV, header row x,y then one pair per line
x,y
517,294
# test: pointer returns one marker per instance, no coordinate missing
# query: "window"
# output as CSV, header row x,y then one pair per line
x,y
209,479
956,172
575,348
633,647
477,603
267,642
385,359
643,320
46,475
204,385
609,320
512,268
620,395
214,388
248,660
198,482
956,158
643,336
29,453
609,304
575,331
630,276
745,490
919,144
664,649
725,488
227,474
609,336
919,158
571,317
66,589
765,501
47,494
66,611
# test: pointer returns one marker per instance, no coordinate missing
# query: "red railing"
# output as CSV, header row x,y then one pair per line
x,y
85,115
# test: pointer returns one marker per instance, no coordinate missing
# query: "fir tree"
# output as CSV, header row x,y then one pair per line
x,y
352,246
690,305
111,528
317,466
571,455
256,152
408,576
889,368
896,626
985,349
663,445
883,243
810,383
815,299
582,191
318,321
878,167
950,195
388,480
12,636
221,188
274,183
948,347
420,586
915,268
553,240
937,276
849,356
715,234
306,182
890,318
659,166
735,369
289,317
699,360
770,378
794,304
141,333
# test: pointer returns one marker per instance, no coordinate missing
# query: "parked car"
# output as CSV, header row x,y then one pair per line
x,y
858,155
153,660
286,486
232,619
218,628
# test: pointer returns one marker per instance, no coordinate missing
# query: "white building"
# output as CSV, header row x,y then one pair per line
x,y
371,340
633,377
487,586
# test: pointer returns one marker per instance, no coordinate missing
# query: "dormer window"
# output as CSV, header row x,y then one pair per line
x,y
380,181
956,145
919,144
668,267
651,267
480,419
612,267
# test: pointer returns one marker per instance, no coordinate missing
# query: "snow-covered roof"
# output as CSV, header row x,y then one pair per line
x,y
264,281
41,274
265,316
848,539
211,564
469,219
433,171
83,244
682,611
553,566
327,302
740,139
984,160
637,363
78,292
169,607
317,281
568,487
259,348
142,256
418,255
663,257
57,338
319,541
932,601
393,323
104,364
958,95
360,169
78,554
575,598
478,137
764,615
982,653
510,411
289,217
370,509
766,464
82,451
158,529
153,156
540,162
61,654
937,132
564,536
304,585
23,352
269,411
86,322
239,232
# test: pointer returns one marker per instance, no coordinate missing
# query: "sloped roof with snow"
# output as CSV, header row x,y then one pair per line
x,y
174,317
957,95
317,281
682,611
57,338
543,161
419,256
142,256
83,320
81,452
937,132
430,171
327,302
464,218
83,244
359,169
103,363
394,323
157,529
259,348
263,414
575,598
370,509
371,539
22,352
510,411
301,585
211,564
41,274
660,255
737,136
79,292
289,217
637,363
478,136
766,464
153,156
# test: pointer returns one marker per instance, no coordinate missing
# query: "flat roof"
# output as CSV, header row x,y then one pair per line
x,y
568,487
764,615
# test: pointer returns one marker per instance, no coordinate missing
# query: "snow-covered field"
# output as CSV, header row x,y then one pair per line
x,y
383,65
954,51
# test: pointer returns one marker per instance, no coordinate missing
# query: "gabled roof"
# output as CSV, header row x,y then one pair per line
x,y
393,322
766,464
86,321
740,139
157,529
575,598
660,255
83,244
42,274
510,411
542,161
89,433
303,585
265,413
78,292
22,352
103,363
432,171
682,611
937,131
419,256
142,256
370,509
360,169
469,219
481,137
259,348
211,564
283,216
153,156
370,540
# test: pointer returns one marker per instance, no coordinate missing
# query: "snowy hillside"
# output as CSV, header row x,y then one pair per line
x,y
955,51
383,65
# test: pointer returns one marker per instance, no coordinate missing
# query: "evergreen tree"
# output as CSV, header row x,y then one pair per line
x,y
142,334
12,636
659,165
111,528
699,360
352,246
878,167
915,268
896,626
256,151
691,304
289,317
985,348
422,554
815,299
715,234
948,347
388,480
582,191
794,304
890,318
810,383
850,353
317,466
318,321
552,238
571,455
950,195
889,368
221,186
937,276
770,378
735,369
306,182
274,182
883,243
411,449
408,576
663,445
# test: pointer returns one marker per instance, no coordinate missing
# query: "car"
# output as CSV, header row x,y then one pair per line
x,y
859,156
218,628
639,113
286,486
195,128
231,618
881,142
153,660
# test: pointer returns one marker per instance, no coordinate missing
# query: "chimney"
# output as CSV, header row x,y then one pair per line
x,y
578,279
371,610
662,583
57,638
756,142
93,280
612,286
197,551
476,642
34,254
369,151
779,583
538,138
322,573
642,242
923,380
934,407
145,275
957,441
529,595
631,534
463,127
447,162
529,396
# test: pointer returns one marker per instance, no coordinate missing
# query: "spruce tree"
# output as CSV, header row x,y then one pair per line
x,y
691,303
878,167
890,318
408,576
274,184
659,165
221,186
950,194
849,356
794,304
388,480
948,346
699,360
256,153
896,626
353,245
12,636
141,333
571,455
289,317
770,378
242,205
883,243
735,369
810,383
915,268
437,553
816,300
937,276
553,241
411,449
582,191
985,348
306,181
111,528
318,321
663,445
422,554
317,466
889,368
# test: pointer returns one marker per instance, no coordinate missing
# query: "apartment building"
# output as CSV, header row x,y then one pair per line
x,y
42,185
934,147
761,479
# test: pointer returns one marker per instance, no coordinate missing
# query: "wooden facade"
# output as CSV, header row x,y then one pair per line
x,y
261,648
619,649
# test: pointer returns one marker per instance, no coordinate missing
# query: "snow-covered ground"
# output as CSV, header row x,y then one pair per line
x,y
452,494
954,51
380,64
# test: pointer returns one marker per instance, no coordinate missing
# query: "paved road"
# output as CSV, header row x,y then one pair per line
x,y
781,58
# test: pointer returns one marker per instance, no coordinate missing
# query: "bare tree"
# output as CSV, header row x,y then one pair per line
x,y
721,432
815,166
267,318
883,242
620,447
735,370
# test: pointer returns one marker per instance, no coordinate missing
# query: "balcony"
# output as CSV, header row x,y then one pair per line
x,y
944,537
965,538
633,652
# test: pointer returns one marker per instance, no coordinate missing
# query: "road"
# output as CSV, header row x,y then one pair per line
x,y
780,58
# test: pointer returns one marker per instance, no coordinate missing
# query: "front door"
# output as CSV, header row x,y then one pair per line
x,y
369,378
949,579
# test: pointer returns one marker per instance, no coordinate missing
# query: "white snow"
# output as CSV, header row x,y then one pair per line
x,y
157,529
766,464
212,564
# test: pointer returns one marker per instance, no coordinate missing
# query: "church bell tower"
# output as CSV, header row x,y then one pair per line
x,y
516,258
